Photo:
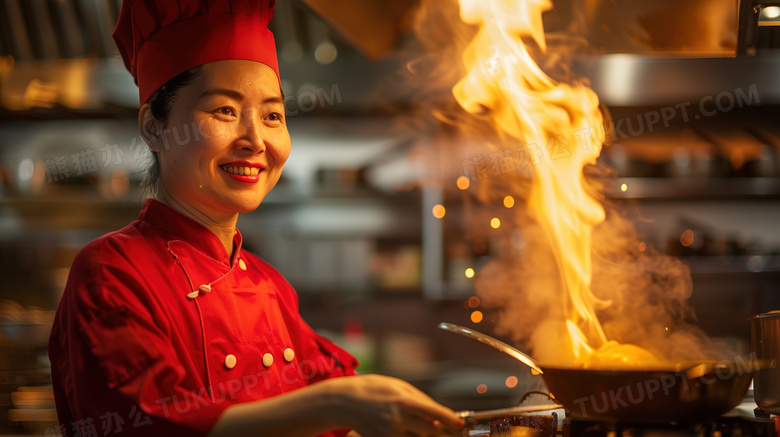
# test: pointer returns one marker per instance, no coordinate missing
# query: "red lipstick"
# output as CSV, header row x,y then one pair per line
x,y
243,171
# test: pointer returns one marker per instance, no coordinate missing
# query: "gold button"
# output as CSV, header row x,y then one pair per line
x,y
205,288
230,361
193,295
289,354
268,359
241,264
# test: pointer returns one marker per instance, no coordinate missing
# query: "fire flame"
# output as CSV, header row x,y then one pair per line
x,y
553,121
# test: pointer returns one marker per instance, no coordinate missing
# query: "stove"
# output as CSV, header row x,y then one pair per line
x,y
741,422
726,426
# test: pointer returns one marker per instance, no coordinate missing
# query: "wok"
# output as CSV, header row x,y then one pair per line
x,y
691,392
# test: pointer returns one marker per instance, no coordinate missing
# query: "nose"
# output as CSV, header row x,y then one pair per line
x,y
251,133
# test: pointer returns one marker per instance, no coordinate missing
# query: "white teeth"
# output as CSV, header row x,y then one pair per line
x,y
241,171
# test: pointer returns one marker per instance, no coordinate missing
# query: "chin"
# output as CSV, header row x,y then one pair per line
x,y
248,205
244,208
243,202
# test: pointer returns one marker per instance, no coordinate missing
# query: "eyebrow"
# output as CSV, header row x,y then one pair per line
x,y
235,95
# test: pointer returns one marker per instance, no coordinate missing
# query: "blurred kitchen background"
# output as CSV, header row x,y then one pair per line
x,y
352,223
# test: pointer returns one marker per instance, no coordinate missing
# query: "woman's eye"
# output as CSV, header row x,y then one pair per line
x,y
227,111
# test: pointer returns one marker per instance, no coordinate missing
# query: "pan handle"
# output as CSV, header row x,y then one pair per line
x,y
490,341
487,414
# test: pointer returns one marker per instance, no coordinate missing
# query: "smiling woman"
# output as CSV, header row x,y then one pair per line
x,y
167,326
237,160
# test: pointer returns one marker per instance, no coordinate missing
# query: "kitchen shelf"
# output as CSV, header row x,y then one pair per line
x,y
752,264
622,79
703,188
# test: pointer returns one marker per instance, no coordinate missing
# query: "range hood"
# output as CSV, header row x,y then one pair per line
x,y
57,57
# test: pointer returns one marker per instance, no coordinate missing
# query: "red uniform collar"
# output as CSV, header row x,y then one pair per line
x,y
180,227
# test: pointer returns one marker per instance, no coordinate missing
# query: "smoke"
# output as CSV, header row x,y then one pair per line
x,y
640,296
649,295
647,292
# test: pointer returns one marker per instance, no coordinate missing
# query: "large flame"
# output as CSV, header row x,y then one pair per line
x,y
552,120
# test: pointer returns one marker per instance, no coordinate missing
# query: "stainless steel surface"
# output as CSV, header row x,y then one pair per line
x,y
636,80
70,37
76,34
701,189
492,342
42,29
765,343
69,30
16,30
42,23
433,252
99,20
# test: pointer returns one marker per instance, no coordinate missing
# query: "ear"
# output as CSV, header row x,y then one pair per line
x,y
150,128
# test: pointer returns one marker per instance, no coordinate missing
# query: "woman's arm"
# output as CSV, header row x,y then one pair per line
x,y
304,412
372,405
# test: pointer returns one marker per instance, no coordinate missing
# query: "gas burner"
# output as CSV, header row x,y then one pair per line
x,y
721,427
545,426
531,426
764,414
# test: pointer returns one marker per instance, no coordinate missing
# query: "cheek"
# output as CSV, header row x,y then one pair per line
x,y
180,160
282,148
284,154
215,129
212,128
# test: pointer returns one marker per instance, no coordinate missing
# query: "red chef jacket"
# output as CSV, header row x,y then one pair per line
x,y
158,332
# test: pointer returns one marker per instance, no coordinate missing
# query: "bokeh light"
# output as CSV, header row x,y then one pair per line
x,y
686,239
325,53
476,316
26,168
463,182
438,211
642,246
473,302
481,389
509,201
469,273
495,223
771,11
511,382
623,187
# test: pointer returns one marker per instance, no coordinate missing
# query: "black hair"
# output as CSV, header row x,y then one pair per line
x,y
160,104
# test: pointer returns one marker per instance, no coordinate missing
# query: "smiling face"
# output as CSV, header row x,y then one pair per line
x,y
225,141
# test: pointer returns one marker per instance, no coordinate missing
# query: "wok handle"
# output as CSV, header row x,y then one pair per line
x,y
490,341
486,414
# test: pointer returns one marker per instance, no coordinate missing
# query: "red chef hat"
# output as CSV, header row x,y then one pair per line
x,y
160,39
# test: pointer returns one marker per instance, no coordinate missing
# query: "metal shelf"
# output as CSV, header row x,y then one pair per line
x,y
695,188
719,265
639,80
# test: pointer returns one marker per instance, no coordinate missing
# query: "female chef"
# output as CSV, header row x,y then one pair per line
x,y
167,327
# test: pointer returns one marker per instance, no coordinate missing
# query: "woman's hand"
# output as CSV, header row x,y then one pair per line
x,y
371,405
381,406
